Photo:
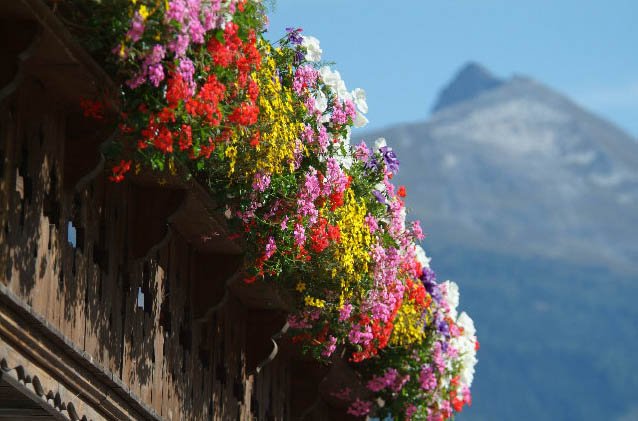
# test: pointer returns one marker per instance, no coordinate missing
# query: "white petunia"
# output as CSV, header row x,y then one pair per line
x,y
421,257
332,78
359,98
359,120
313,50
467,324
344,160
321,101
379,143
451,297
466,346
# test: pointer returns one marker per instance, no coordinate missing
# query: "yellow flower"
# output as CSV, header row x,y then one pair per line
x,y
351,253
143,11
301,287
231,154
280,125
408,325
314,302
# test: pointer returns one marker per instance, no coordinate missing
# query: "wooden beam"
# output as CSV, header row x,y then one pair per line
x,y
39,355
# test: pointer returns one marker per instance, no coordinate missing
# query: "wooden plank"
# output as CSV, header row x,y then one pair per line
x,y
184,363
7,174
132,329
105,235
23,219
158,334
50,247
170,370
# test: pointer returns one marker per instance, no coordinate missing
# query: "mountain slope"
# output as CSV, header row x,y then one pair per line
x,y
519,168
531,205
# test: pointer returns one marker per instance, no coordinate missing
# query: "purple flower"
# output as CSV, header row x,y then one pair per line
x,y
293,36
372,164
277,77
379,196
442,327
428,277
390,159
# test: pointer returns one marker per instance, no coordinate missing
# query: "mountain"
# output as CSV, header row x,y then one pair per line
x,y
522,169
530,203
469,82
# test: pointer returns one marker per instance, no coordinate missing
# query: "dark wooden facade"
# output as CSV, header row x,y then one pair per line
x,y
120,301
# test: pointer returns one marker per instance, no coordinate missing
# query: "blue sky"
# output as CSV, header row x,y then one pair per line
x,y
402,53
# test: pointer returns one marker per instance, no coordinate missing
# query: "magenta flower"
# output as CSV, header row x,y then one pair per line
x,y
137,28
360,408
427,379
344,312
155,74
271,247
300,235
261,182
329,347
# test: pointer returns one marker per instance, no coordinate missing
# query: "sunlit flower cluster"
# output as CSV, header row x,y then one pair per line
x,y
266,127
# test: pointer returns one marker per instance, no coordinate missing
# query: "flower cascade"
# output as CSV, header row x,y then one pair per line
x,y
266,127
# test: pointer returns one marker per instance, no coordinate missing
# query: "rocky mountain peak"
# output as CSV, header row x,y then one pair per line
x,y
470,81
